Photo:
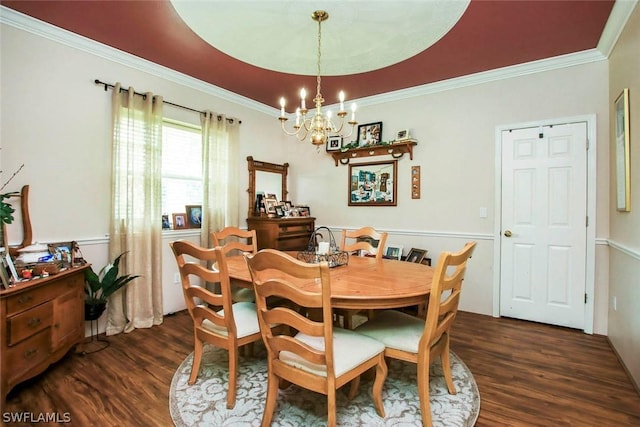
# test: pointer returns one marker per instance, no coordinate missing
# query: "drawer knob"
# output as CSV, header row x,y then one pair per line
x,y
24,299
33,322
30,353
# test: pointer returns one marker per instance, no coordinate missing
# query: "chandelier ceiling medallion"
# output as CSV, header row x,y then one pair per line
x,y
319,125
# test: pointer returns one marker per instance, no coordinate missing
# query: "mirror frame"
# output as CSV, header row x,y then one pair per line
x,y
256,165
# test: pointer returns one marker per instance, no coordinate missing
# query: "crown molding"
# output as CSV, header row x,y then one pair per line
x,y
622,9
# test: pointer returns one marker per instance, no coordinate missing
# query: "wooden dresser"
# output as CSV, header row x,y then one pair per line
x,y
41,321
285,234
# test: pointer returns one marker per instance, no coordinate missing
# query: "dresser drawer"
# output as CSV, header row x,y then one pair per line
x,y
39,294
29,322
27,354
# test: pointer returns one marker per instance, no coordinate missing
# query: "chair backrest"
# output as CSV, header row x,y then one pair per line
x,y
235,239
277,274
445,295
194,267
368,233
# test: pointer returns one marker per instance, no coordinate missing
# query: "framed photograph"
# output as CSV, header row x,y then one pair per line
x,y
194,216
623,190
334,143
179,221
62,252
4,276
373,184
369,134
165,222
270,204
279,210
402,135
416,255
287,205
393,252
12,268
304,211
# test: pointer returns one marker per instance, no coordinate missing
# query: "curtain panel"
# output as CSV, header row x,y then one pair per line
x,y
136,205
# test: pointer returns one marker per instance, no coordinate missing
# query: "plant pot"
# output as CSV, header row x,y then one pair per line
x,y
94,311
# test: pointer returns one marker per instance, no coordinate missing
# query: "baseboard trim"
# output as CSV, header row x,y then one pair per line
x,y
626,370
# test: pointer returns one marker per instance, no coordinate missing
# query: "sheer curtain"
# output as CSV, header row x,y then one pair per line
x,y
136,205
220,139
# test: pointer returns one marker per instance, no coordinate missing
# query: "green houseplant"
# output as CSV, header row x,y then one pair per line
x,y
99,287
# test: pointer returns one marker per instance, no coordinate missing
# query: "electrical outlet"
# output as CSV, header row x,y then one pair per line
x,y
615,303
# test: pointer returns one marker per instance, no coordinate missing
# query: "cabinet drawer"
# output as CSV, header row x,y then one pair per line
x,y
27,354
29,322
36,296
292,243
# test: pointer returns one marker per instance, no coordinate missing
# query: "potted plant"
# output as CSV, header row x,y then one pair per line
x,y
99,287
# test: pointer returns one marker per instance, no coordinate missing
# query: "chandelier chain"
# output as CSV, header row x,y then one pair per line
x,y
318,94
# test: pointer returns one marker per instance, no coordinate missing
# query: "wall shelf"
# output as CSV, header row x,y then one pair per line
x,y
396,151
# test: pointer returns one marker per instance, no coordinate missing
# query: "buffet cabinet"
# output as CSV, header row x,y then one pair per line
x,y
41,320
284,234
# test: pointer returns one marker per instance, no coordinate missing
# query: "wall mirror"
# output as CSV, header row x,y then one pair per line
x,y
268,178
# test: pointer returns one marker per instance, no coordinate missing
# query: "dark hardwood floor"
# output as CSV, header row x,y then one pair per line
x,y
528,375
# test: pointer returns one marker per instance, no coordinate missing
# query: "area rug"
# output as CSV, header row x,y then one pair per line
x,y
204,403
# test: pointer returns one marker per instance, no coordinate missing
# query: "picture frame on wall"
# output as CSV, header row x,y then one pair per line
x,y
194,216
373,184
334,143
623,190
369,134
179,221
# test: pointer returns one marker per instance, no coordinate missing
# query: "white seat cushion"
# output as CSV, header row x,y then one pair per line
x,y
350,349
395,330
245,316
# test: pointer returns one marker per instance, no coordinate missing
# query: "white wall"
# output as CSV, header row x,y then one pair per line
x,y
56,121
624,277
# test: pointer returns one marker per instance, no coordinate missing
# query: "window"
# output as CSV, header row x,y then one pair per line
x,y
181,166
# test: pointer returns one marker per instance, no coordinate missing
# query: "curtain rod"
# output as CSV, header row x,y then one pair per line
x,y
110,86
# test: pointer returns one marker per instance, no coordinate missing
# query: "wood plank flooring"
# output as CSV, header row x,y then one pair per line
x,y
528,374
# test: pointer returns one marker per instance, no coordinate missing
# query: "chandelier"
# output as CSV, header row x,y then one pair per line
x,y
319,126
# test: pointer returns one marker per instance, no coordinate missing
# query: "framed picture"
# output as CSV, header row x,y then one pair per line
x,y
402,135
369,134
287,205
373,184
416,255
304,211
394,252
11,267
270,204
165,222
62,252
4,275
334,143
194,216
179,221
623,190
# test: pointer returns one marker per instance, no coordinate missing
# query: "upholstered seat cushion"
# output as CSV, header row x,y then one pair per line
x,y
246,319
395,330
350,349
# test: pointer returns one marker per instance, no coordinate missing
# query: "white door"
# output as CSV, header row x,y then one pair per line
x,y
543,230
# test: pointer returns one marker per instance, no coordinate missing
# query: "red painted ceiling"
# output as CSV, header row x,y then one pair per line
x,y
490,35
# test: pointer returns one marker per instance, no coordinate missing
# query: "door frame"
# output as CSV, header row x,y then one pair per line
x,y
590,120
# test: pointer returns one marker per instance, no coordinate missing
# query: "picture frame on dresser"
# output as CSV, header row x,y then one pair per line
x,y
12,268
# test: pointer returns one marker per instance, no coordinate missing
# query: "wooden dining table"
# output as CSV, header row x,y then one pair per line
x,y
363,283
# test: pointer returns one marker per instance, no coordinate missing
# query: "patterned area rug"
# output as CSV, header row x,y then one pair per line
x,y
204,403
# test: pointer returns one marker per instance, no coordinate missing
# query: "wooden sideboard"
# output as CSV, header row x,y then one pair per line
x,y
41,320
285,234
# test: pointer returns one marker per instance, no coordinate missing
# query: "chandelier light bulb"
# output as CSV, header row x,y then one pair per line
x,y
341,97
282,103
303,97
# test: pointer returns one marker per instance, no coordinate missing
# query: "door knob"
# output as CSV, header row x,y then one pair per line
x,y
507,233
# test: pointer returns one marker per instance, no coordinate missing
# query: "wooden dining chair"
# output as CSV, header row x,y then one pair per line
x,y
360,241
319,357
233,326
421,341
235,241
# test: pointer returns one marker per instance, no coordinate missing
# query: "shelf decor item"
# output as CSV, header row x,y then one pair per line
x,y
320,250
